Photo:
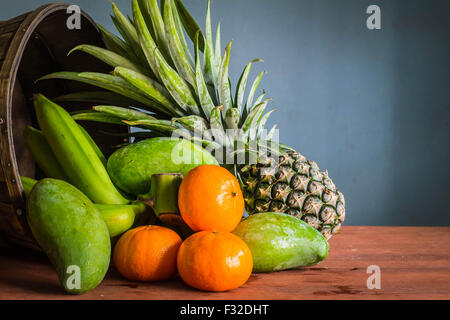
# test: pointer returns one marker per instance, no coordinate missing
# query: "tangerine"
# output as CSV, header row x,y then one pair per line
x,y
210,198
214,261
147,253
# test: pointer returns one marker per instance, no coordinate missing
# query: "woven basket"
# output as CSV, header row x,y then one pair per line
x,y
32,45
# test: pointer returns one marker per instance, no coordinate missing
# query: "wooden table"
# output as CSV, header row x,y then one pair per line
x,y
414,264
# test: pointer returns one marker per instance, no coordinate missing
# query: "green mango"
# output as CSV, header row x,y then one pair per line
x,y
118,217
71,231
279,241
132,167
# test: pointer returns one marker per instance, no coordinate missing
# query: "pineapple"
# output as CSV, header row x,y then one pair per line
x,y
295,186
157,84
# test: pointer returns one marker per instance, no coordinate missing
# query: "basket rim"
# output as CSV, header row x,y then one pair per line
x,y
8,77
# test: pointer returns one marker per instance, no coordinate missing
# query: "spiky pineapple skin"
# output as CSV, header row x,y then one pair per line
x,y
296,186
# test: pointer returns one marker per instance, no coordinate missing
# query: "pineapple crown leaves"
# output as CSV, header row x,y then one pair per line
x,y
170,89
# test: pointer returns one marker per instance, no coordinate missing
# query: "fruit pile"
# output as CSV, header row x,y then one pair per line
x,y
157,85
163,205
77,214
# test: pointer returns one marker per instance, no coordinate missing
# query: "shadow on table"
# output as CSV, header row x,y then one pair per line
x,y
28,271
42,285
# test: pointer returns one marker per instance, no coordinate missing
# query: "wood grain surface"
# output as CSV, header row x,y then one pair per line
x,y
414,263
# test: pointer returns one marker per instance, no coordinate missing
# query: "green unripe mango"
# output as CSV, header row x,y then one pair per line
x,y
279,241
71,231
132,167
118,217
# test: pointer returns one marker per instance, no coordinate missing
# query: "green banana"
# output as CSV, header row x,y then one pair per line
x,y
75,153
27,185
118,217
103,159
43,154
94,146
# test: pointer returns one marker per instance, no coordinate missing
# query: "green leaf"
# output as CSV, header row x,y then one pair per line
x,y
123,113
232,118
146,41
271,132
196,124
217,130
202,90
209,61
253,91
163,126
143,4
175,47
153,10
119,28
254,117
218,50
128,31
98,97
150,88
259,99
224,83
97,117
176,86
105,81
109,57
159,28
114,43
136,134
180,31
285,146
118,85
242,83
264,121
190,24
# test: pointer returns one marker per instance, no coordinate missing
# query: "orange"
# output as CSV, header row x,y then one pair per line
x,y
214,261
210,198
147,253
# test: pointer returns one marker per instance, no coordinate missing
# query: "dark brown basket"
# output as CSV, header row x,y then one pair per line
x,y
32,45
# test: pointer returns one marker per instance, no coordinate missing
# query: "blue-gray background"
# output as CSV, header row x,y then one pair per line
x,y
371,106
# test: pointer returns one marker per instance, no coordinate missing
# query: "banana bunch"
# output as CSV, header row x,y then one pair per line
x,y
75,153
65,151
43,154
